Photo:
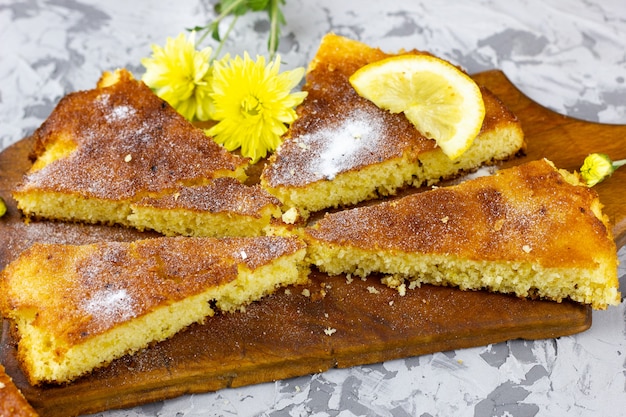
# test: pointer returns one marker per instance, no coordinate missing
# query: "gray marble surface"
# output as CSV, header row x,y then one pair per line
x,y
567,55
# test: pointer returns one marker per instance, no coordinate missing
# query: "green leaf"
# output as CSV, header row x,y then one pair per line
x,y
257,5
196,29
214,27
237,7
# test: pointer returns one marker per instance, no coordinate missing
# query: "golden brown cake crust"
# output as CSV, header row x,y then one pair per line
x,y
126,141
12,402
222,195
124,280
333,108
528,213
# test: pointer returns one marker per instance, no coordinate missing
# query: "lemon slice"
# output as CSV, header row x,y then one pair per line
x,y
441,101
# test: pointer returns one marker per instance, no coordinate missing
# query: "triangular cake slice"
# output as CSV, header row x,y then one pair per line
x,y
343,149
101,150
224,207
79,307
531,230
12,401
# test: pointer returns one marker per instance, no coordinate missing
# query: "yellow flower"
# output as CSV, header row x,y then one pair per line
x,y
3,207
181,75
597,167
252,104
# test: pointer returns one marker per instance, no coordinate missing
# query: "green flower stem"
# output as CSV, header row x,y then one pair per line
x,y
237,8
274,28
221,45
218,19
619,163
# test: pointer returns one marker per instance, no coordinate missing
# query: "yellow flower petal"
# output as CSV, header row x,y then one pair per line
x,y
181,75
3,207
253,103
596,167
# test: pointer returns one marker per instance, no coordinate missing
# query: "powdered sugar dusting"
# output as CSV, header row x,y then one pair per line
x,y
105,279
341,148
112,112
119,113
110,303
354,141
343,145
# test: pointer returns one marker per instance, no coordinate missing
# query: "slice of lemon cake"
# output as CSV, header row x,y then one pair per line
x,y
531,230
101,150
344,149
79,307
12,401
225,207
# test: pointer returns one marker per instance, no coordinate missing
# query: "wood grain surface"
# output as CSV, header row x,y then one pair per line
x,y
339,324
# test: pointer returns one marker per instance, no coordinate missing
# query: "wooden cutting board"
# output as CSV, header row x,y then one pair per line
x,y
338,324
